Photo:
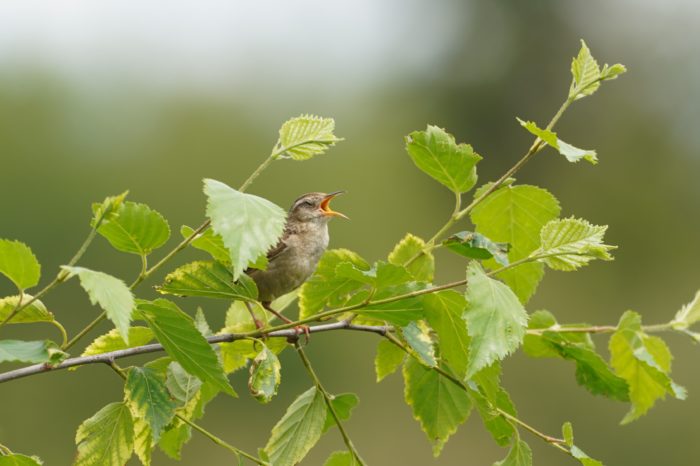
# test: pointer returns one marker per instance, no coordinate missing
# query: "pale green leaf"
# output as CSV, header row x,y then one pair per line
x,y
298,430
418,338
43,351
176,331
265,375
388,359
612,72
444,311
208,279
570,243
519,455
341,458
110,293
182,385
583,458
567,432
477,246
409,253
106,209
489,397
143,441
496,321
436,153
35,312
305,136
343,405
438,404
149,399
107,438
585,72
18,263
210,242
200,321
572,154
112,341
135,228
688,315
24,460
515,215
248,225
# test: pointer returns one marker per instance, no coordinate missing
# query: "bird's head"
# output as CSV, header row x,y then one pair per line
x,y
314,207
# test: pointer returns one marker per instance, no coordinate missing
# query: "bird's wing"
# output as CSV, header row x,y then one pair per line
x,y
279,248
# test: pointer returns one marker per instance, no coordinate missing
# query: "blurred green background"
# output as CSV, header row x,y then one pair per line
x,y
99,97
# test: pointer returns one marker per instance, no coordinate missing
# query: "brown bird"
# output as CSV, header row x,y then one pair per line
x,y
295,257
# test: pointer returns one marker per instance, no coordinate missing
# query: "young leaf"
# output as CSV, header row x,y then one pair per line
x,y
249,225
305,136
175,330
106,209
571,243
265,375
515,215
477,246
298,430
388,359
438,404
208,279
210,242
444,311
519,455
644,362
181,385
110,293
112,341
572,154
422,267
487,394
16,459
436,153
107,437
343,405
18,263
586,74
496,321
44,351
200,321
688,315
583,458
35,312
149,398
418,338
135,228
567,432
341,458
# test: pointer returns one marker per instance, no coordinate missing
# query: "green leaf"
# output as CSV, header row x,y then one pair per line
x,y
149,399
181,385
572,154
586,74
18,263
343,405
418,338
496,321
43,351
265,375
438,404
106,209
644,362
298,430
110,293
210,242
248,225
571,243
107,438
567,432
23,460
175,330
487,395
519,455
305,136
444,311
401,312
422,267
112,341
583,458
436,153
341,458
325,287
35,312
136,229
208,279
389,358
515,215
477,246
143,441
688,315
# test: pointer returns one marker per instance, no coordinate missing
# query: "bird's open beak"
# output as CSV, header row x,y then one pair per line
x,y
325,205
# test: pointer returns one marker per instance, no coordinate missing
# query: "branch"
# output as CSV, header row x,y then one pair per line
x,y
109,358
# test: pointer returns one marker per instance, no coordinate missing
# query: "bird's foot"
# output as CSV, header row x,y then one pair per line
x,y
300,330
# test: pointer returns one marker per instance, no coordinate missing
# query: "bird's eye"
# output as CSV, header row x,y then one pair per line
x,y
308,203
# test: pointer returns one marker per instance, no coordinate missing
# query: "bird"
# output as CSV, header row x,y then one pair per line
x,y
297,253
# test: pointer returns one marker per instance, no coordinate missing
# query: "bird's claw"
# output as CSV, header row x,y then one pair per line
x,y
299,330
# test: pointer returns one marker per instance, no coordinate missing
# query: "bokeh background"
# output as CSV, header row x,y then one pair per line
x,y
99,97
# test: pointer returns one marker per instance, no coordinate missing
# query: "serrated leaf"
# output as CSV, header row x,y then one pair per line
x,y
107,438
149,399
343,405
248,225
418,338
182,385
209,242
305,136
265,375
43,351
401,312
477,246
19,264
35,312
298,430
437,403
341,458
208,279
496,321
436,153
409,254
112,341
324,287
200,321
519,455
688,314
143,441
106,209
135,228
487,395
110,293
572,154
515,215
176,331
388,359
585,72
644,362
444,311
22,460
571,243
